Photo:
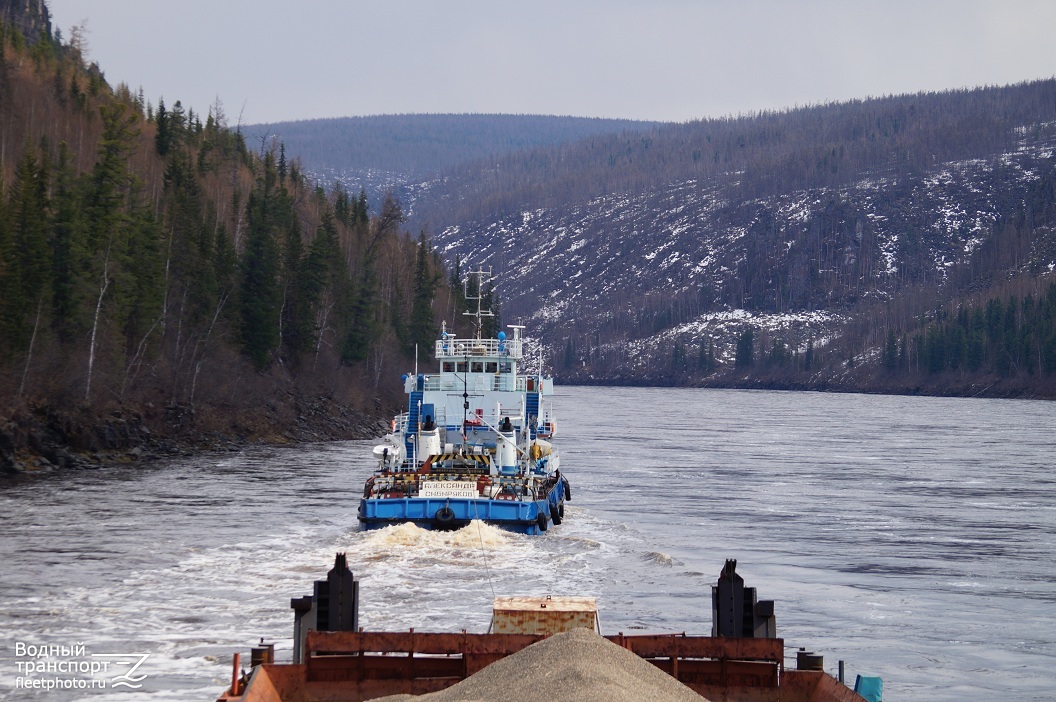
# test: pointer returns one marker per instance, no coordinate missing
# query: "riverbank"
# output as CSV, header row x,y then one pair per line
x,y
44,438
878,383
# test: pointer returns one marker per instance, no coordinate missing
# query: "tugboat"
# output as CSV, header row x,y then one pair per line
x,y
474,442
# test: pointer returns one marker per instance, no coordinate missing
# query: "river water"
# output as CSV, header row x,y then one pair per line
x,y
914,538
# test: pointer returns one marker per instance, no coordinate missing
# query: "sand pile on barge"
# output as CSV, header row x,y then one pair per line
x,y
578,666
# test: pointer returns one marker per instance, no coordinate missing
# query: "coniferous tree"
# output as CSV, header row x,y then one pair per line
x,y
458,294
490,326
7,271
706,359
334,283
422,330
362,326
163,135
296,292
68,248
146,278
362,210
364,321
891,351
935,349
28,283
107,221
260,297
678,357
342,206
779,355
135,274
744,356
313,277
976,345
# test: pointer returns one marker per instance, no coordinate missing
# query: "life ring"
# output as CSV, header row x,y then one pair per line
x,y
568,491
541,521
555,514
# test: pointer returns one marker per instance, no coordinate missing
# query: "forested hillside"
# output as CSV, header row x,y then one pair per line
x,y
810,236
752,156
391,152
162,284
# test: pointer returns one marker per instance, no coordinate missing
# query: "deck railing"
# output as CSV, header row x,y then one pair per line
x,y
461,348
476,382
393,662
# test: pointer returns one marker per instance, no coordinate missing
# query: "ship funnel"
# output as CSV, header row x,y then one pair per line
x,y
506,447
429,439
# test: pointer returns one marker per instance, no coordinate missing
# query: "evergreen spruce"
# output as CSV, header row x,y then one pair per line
x,y
162,135
458,293
423,331
29,250
891,351
744,357
491,326
259,293
68,248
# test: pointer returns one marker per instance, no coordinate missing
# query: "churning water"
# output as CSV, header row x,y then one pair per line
x,y
914,538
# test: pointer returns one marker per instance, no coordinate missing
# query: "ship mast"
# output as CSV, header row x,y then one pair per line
x,y
478,315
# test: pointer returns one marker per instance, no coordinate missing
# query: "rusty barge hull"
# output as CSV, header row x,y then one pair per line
x,y
355,666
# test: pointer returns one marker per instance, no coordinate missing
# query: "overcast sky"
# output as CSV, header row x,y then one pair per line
x,y
671,60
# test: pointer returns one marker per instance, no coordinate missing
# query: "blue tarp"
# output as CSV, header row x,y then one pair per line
x,y
870,687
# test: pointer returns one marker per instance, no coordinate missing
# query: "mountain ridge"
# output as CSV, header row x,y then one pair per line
x,y
377,153
823,229
927,201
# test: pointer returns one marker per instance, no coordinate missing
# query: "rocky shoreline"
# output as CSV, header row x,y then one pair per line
x,y
45,439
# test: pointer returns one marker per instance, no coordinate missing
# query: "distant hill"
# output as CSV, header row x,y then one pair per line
x,y
389,151
834,228
750,156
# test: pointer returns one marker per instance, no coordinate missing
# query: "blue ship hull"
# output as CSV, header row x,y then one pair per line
x,y
445,514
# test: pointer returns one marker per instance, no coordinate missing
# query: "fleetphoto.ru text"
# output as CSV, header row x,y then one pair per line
x,y
61,667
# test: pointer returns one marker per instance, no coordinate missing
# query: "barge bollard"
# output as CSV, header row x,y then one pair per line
x,y
234,674
264,654
736,612
808,660
333,606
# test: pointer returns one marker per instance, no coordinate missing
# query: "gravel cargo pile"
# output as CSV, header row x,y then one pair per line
x,y
576,666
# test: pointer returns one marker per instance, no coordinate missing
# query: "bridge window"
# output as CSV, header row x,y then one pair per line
x,y
491,367
449,366
477,367
463,366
